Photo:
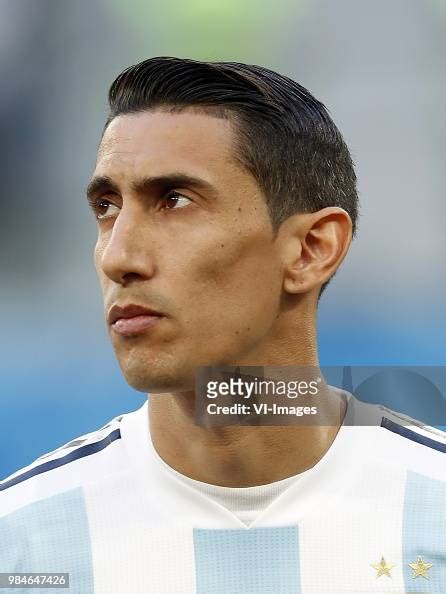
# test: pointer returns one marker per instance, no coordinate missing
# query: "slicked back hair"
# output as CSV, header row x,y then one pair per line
x,y
284,136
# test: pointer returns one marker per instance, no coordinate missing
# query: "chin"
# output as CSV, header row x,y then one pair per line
x,y
158,381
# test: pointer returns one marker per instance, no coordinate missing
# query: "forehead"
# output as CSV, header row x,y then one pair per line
x,y
160,139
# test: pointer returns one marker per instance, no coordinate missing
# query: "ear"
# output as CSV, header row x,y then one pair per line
x,y
313,246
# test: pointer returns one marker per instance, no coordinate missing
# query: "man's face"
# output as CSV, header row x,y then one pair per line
x,y
183,230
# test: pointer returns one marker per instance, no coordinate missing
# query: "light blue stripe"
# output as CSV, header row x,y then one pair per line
x,y
49,536
424,532
255,561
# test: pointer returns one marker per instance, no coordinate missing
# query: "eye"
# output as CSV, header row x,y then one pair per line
x,y
175,200
103,209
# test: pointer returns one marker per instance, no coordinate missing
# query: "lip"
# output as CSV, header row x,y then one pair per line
x,y
130,310
135,325
131,320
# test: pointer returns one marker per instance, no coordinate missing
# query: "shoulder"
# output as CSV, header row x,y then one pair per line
x,y
413,430
84,459
399,441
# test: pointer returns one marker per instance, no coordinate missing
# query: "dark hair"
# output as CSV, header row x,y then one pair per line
x,y
285,137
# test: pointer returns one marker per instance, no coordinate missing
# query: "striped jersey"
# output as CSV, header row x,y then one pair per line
x,y
368,518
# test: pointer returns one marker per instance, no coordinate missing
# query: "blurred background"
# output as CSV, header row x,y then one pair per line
x,y
379,68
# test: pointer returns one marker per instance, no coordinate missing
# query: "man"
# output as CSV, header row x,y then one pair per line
x,y
225,199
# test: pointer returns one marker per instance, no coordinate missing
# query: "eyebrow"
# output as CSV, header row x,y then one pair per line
x,y
103,183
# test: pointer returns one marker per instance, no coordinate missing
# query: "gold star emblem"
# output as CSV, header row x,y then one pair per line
x,y
420,568
383,568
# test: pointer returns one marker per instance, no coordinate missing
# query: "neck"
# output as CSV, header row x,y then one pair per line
x,y
244,456
235,456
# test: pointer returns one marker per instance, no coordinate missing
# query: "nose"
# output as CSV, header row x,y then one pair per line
x,y
126,249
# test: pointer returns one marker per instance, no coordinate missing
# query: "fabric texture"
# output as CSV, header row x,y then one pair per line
x,y
108,510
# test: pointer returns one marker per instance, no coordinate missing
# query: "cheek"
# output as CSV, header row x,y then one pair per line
x,y
236,279
240,263
236,293
98,251
97,258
